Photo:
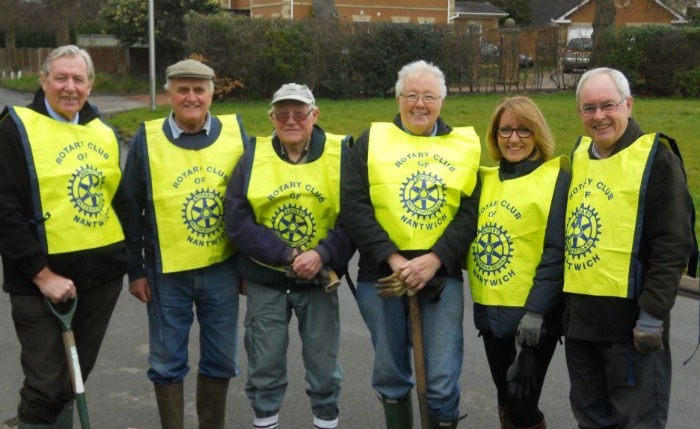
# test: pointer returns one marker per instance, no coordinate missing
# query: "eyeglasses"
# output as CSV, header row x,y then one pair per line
x,y
427,98
609,107
283,117
506,132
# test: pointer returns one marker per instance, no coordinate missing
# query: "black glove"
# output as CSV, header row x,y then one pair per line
x,y
521,376
433,289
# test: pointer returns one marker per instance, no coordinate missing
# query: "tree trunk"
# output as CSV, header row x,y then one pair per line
x,y
10,39
603,20
62,33
325,9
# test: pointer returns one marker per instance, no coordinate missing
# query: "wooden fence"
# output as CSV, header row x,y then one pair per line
x,y
113,60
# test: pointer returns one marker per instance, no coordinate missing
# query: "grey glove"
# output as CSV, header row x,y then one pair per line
x,y
522,375
529,329
648,334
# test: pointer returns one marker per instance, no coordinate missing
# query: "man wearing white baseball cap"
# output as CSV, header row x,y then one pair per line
x,y
282,213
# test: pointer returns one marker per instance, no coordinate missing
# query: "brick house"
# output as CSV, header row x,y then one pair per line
x,y
574,18
461,13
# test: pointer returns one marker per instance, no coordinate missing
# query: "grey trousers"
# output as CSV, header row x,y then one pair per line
x,y
269,311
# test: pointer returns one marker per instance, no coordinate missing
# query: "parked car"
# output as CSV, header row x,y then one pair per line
x,y
490,54
577,55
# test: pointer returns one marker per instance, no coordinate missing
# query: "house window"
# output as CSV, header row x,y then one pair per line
x,y
361,18
401,19
425,20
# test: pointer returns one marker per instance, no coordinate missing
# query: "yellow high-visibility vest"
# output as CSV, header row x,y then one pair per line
x,y
75,172
507,249
299,202
186,189
416,182
602,230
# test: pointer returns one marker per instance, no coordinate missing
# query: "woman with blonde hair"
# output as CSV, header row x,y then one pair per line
x,y
516,261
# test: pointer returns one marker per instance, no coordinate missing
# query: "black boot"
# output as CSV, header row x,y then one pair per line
x,y
504,418
63,421
435,423
398,413
540,425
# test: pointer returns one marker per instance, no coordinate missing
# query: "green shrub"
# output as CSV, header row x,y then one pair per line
x,y
689,83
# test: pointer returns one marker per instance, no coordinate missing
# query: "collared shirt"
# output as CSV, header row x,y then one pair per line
x,y
58,117
177,131
304,154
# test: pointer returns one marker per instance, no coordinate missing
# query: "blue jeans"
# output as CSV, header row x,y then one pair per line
x,y
214,293
389,324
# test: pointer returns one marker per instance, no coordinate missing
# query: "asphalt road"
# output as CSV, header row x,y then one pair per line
x,y
120,396
106,104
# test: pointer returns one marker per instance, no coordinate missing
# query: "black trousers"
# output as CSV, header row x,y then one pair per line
x,y
614,386
501,352
47,385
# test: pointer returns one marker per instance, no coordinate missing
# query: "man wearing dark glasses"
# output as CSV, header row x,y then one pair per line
x,y
282,213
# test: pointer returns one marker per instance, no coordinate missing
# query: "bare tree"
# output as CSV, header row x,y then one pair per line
x,y
14,16
325,9
54,15
603,20
65,13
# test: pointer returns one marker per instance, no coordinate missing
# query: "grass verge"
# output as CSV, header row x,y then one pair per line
x,y
674,117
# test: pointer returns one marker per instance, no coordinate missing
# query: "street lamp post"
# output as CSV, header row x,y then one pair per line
x,y
151,56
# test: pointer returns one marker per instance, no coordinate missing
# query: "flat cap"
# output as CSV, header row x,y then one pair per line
x,y
293,91
189,69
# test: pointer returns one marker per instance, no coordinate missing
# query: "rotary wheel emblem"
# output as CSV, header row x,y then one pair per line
x,y
492,248
203,212
294,225
582,231
85,190
423,194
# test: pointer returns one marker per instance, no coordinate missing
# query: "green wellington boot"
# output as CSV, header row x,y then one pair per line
x,y
398,413
211,401
171,405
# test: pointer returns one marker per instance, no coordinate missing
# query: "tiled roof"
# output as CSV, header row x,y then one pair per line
x,y
478,8
547,10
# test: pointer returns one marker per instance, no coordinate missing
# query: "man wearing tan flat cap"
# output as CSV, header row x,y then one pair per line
x,y
175,178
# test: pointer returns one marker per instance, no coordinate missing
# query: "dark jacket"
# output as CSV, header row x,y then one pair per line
x,y
373,241
666,244
260,242
22,255
546,296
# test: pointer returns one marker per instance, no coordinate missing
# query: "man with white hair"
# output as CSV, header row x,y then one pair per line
x,y
176,177
282,213
59,236
629,237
